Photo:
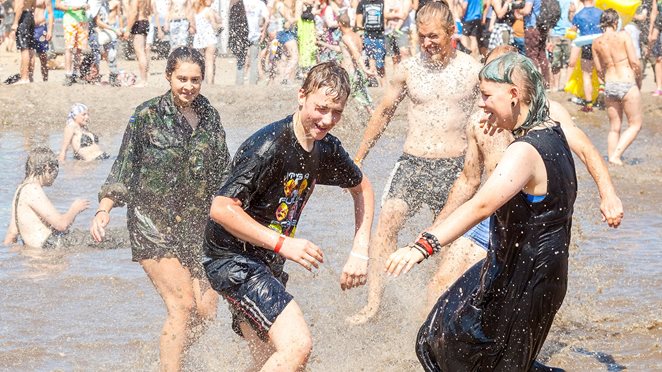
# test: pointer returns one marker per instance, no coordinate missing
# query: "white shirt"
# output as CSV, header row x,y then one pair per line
x,y
256,14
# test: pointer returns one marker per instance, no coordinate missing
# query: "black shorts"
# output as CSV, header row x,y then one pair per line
x,y
25,31
140,28
255,295
587,52
419,180
472,28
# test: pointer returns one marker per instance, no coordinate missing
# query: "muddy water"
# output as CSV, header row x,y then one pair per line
x,y
88,308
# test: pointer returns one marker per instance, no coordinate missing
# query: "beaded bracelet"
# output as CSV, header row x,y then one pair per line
x,y
433,241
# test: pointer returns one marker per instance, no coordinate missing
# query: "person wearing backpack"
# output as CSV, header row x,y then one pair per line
x,y
539,17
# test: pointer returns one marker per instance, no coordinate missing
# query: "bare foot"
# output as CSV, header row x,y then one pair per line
x,y
616,161
21,82
363,316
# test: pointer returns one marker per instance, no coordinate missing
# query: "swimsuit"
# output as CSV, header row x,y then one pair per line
x,y
617,89
25,31
418,180
140,27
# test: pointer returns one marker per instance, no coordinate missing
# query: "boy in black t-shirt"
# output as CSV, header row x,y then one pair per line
x,y
255,213
370,16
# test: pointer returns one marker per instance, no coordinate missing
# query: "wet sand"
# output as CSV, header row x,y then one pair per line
x,y
93,309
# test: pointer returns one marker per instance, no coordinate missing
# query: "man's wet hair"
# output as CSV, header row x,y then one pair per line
x,y
329,75
436,10
184,54
512,67
40,160
609,18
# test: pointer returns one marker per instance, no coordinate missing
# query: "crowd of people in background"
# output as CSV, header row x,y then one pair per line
x,y
279,40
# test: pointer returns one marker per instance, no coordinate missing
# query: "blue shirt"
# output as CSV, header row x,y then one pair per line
x,y
474,10
530,20
564,23
587,21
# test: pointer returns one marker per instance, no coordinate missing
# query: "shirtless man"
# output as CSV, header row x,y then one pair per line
x,y
43,31
442,85
180,22
33,216
483,154
617,64
23,30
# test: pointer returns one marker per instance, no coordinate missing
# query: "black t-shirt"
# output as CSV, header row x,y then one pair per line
x,y
273,177
373,17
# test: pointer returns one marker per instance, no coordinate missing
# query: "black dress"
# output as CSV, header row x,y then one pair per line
x,y
497,316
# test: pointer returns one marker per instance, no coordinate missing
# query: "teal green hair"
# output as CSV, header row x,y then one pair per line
x,y
501,70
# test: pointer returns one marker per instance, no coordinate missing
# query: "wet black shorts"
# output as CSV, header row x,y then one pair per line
x,y
472,28
140,28
255,295
419,180
25,31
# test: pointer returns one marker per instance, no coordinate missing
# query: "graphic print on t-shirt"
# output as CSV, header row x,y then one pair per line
x,y
297,187
373,17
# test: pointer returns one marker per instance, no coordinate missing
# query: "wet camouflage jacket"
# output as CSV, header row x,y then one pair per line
x,y
166,172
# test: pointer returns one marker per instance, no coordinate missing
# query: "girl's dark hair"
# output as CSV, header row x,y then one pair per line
x,y
184,54
609,18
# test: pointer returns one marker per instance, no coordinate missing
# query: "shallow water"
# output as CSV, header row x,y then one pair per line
x,y
94,309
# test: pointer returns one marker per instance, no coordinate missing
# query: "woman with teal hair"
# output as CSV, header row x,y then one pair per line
x,y
496,317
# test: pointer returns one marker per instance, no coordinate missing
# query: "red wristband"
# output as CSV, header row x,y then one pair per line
x,y
424,243
281,239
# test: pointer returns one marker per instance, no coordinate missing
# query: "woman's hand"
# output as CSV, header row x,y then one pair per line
x,y
402,260
99,223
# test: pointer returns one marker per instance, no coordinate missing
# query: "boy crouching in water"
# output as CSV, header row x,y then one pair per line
x,y
255,213
33,216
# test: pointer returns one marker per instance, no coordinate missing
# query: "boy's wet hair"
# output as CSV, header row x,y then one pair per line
x,y
184,54
331,76
436,10
40,160
514,66
609,18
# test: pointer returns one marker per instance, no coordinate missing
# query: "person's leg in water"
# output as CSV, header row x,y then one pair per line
x,y
392,217
289,346
617,142
141,55
173,282
658,76
206,304
456,259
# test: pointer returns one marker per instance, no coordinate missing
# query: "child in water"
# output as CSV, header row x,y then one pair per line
x,y
33,216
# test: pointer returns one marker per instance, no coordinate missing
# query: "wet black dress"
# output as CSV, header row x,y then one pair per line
x,y
496,317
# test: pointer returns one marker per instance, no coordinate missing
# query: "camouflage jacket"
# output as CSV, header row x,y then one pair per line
x,y
166,171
